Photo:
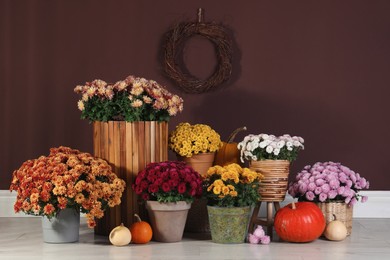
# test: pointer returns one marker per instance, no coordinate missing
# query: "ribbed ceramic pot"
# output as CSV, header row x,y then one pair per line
x,y
63,228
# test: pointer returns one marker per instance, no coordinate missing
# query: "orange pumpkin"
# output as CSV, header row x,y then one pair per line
x,y
141,231
229,152
299,222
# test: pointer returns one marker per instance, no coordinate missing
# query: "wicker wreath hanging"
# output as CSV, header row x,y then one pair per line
x,y
174,45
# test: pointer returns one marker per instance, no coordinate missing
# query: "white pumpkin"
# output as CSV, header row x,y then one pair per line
x,y
120,236
336,231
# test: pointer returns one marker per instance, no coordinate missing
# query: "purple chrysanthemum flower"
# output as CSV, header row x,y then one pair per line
x,y
328,181
323,197
310,195
302,188
334,183
342,178
318,190
332,194
320,182
325,188
341,190
353,201
311,186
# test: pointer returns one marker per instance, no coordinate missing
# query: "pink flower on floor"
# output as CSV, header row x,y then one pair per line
x,y
265,240
259,236
253,239
259,232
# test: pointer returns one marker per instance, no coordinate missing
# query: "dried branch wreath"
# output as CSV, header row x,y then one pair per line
x,y
174,45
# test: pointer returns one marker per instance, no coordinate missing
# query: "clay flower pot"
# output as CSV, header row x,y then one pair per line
x,y
168,219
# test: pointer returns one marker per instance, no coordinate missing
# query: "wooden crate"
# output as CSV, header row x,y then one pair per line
x,y
128,147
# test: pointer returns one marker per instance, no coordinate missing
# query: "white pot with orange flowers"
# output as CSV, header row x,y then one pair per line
x,y
60,186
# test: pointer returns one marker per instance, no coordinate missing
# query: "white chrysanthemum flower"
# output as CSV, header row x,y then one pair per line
x,y
246,138
263,144
248,154
296,143
290,148
264,136
254,146
269,149
256,139
289,144
276,151
280,144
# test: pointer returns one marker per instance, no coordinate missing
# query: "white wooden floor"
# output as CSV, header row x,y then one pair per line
x,y
21,238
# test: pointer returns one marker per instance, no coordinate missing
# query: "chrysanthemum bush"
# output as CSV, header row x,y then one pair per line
x,y
169,181
187,140
328,181
131,99
270,147
66,178
231,186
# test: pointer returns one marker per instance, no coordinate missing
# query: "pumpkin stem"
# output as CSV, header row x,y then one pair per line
x,y
334,217
234,133
137,217
293,206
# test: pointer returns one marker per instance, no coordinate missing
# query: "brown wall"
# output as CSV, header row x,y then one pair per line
x,y
318,69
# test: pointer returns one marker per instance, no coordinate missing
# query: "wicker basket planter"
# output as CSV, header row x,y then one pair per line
x,y
274,185
339,210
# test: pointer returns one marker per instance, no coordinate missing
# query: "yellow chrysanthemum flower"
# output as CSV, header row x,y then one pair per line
x,y
198,138
217,190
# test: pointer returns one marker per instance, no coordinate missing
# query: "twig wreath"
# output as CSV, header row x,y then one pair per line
x,y
175,42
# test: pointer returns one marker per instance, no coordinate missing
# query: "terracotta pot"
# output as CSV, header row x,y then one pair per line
x,y
199,162
128,147
168,219
275,183
228,225
198,220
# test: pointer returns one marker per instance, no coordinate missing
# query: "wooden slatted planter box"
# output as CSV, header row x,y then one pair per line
x,y
128,147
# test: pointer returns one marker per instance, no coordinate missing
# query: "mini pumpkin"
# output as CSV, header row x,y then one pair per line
x,y
229,152
336,230
299,222
120,236
141,231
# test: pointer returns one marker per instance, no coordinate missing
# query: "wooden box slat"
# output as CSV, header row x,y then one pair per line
x,y
128,147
